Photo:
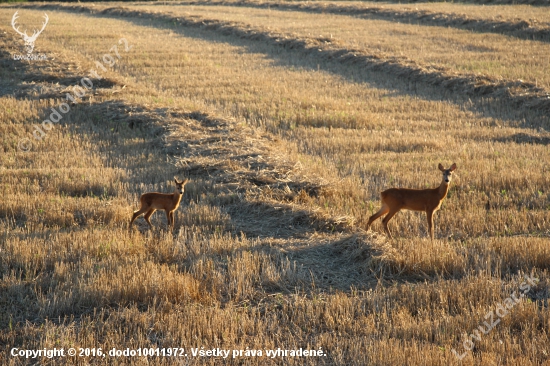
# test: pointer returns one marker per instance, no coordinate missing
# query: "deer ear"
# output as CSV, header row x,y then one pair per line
x,y
441,167
185,181
176,180
453,167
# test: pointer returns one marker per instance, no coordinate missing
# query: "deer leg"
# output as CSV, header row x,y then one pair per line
x,y
172,218
147,215
387,219
169,218
430,217
383,210
136,214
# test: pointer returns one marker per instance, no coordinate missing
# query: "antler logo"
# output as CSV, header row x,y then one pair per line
x,y
29,40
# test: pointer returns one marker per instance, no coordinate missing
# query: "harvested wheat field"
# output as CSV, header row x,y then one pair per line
x,y
288,119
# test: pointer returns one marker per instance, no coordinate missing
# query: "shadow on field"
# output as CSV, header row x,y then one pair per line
x,y
513,28
392,84
31,81
262,219
34,85
8,64
524,138
482,99
341,262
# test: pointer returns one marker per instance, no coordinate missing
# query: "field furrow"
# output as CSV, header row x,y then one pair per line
x,y
530,95
521,22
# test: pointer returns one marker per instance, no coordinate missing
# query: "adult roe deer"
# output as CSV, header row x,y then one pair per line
x,y
428,200
150,202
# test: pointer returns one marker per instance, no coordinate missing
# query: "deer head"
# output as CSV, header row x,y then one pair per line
x,y
29,41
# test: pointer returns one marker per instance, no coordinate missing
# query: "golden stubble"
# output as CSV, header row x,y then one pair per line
x,y
255,264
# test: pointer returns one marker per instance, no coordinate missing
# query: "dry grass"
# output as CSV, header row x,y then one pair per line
x,y
287,154
522,21
500,3
494,55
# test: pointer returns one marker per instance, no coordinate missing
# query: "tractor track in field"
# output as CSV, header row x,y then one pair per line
x,y
529,29
518,93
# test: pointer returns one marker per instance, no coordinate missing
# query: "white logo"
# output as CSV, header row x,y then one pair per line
x,y
29,40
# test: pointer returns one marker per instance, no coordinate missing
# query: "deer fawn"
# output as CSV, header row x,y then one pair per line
x,y
150,202
429,200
